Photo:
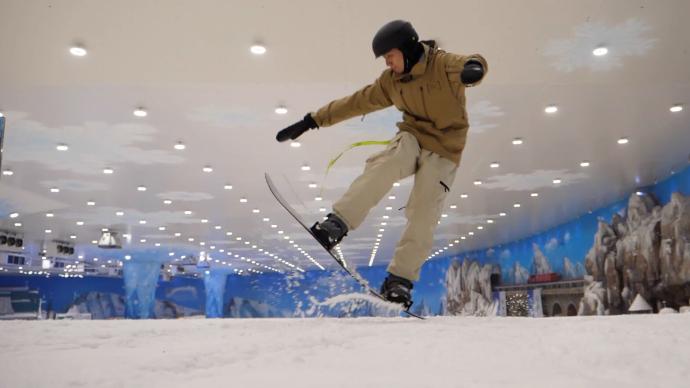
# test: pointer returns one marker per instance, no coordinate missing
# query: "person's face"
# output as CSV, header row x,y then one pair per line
x,y
394,61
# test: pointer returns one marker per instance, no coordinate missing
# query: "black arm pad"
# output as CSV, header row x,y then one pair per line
x,y
472,72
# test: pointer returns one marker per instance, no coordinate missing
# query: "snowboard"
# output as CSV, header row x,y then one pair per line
x,y
362,282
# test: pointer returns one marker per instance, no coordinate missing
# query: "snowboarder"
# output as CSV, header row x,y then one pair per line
x,y
428,85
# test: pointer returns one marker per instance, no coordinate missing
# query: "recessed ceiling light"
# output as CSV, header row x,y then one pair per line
x,y
50,215
227,187
477,183
556,181
551,109
167,202
62,147
600,51
312,185
243,200
676,108
306,168
119,214
108,170
318,199
489,221
258,49
516,205
281,110
187,212
534,195
80,223
623,140
584,164
142,222
73,237
49,231
502,214
141,188
54,190
471,233
161,228
77,51
391,197
295,144
204,221
90,203
14,215
157,244
228,233
453,206
7,172
517,141
17,224
140,112
207,169
480,227
495,165
179,146
396,184
256,210
143,240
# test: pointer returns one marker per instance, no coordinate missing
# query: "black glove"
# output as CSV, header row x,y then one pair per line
x,y
472,72
297,129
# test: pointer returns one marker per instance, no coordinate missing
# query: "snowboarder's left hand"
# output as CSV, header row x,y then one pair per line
x,y
472,72
297,129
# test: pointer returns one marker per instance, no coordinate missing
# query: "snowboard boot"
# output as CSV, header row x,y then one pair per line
x,y
397,290
331,231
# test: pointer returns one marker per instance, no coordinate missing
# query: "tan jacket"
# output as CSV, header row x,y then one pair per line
x,y
431,97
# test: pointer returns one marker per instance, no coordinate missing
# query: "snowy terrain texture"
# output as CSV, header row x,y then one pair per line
x,y
594,351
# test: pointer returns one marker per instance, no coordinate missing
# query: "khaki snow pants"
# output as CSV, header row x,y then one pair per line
x,y
434,176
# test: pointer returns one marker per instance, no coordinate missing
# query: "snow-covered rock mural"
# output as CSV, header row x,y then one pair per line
x,y
100,305
540,263
468,288
645,252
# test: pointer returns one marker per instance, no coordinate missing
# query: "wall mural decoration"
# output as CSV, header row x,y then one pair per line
x,y
630,39
32,140
596,264
600,263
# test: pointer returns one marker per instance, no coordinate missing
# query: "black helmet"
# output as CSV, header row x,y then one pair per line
x,y
395,34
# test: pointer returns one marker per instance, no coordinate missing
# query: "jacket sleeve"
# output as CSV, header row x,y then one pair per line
x,y
455,63
368,99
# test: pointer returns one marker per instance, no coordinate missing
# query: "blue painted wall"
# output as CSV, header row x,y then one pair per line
x,y
296,294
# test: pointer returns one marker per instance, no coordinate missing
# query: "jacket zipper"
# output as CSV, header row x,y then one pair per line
x,y
421,90
403,99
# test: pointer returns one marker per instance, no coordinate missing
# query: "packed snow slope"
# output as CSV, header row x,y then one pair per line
x,y
630,351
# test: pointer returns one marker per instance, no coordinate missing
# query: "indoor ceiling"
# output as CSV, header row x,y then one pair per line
x,y
188,65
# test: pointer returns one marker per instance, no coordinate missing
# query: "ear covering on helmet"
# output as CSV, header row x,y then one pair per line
x,y
401,35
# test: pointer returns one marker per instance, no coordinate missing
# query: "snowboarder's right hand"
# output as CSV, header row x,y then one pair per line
x,y
297,129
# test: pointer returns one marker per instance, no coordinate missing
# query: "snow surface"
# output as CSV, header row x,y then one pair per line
x,y
608,351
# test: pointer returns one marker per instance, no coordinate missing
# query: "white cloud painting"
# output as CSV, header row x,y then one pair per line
x,y
624,40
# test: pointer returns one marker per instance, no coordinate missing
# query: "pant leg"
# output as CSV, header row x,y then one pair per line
x,y
423,212
397,161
